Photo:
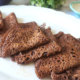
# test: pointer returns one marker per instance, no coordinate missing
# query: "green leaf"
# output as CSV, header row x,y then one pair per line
x,y
47,3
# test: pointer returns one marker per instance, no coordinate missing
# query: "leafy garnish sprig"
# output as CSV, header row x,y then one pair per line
x,y
55,4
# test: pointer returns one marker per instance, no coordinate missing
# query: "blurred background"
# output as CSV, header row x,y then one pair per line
x,y
61,5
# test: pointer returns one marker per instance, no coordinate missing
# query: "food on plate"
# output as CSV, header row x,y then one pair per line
x,y
71,74
42,51
49,33
55,55
9,21
22,38
69,56
1,21
63,76
28,24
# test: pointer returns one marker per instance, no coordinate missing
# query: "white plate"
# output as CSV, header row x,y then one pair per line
x,y
58,21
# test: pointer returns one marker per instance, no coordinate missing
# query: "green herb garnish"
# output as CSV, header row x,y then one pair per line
x,y
55,4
